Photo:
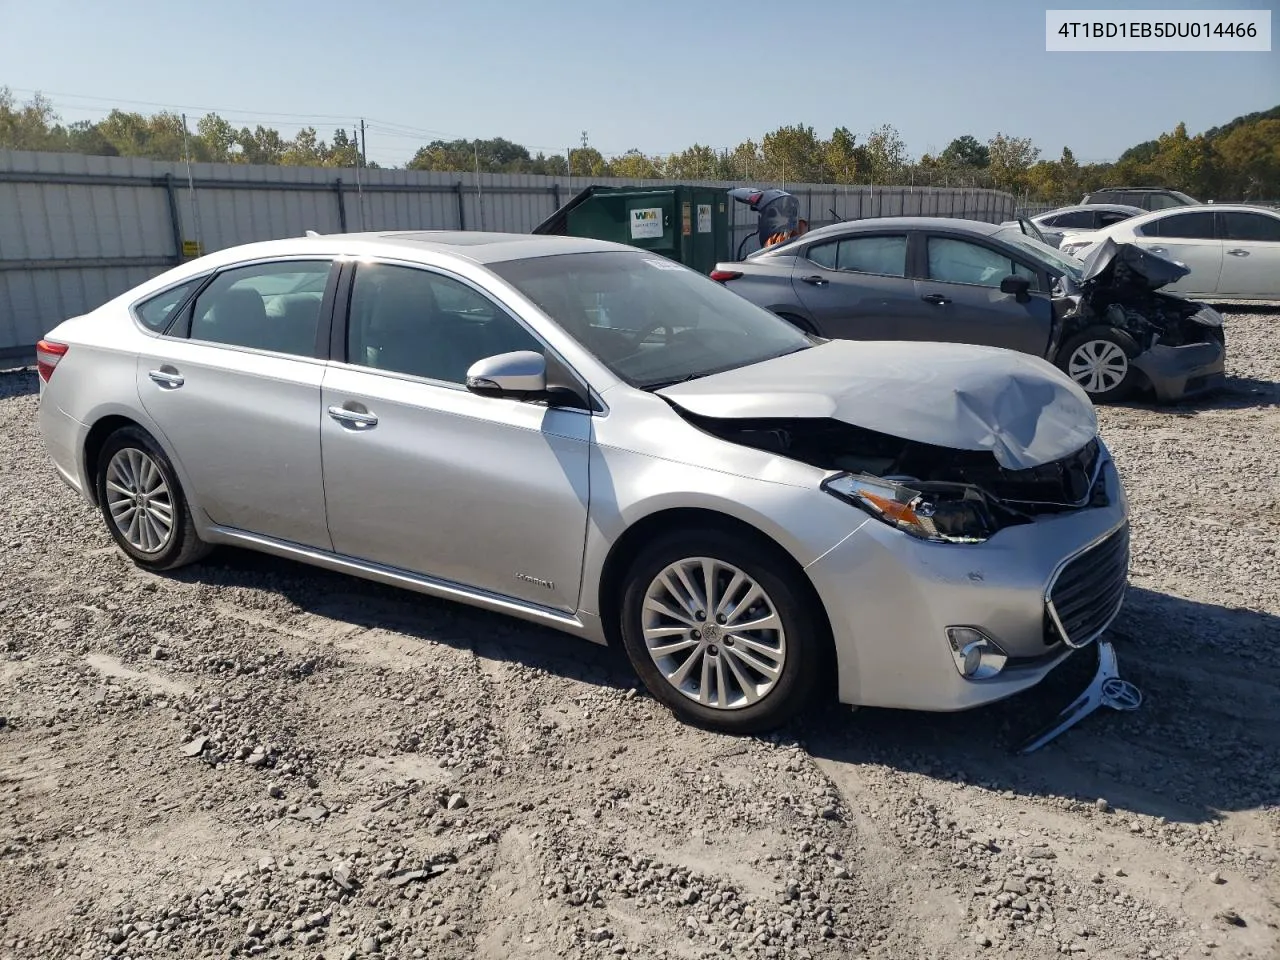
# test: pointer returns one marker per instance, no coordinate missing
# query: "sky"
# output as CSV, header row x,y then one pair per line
x,y
658,76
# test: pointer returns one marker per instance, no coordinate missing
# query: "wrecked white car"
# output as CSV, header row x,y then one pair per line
x,y
596,439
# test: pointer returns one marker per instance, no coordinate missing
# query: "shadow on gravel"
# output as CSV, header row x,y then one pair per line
x,y
374,606
1237,393
18,383
1203,741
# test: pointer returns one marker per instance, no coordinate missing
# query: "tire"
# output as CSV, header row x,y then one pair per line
x,y
132,465
1099,359
750,700
800,323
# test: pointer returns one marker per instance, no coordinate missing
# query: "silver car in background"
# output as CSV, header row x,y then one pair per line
x,y
597,439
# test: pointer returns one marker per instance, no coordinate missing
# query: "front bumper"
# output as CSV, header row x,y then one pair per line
x,y
1179,372
890,599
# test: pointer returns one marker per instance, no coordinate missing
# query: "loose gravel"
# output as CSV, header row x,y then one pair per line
x,y
254,758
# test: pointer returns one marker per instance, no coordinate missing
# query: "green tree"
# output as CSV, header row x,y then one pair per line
x,y
1011,157
216,138
32,126
793,153
634,165
966,151
1250,156
886,155
843,160
694,163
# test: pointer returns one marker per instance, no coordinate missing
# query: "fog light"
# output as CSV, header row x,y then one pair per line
x,y
976,655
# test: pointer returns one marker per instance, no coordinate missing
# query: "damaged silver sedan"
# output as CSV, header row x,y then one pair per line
x,y
597,439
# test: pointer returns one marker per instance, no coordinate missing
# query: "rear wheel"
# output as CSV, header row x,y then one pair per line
x,y
1099,360
721,631
143,504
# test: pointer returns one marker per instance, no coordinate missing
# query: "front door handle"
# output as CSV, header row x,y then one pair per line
x,y
937,298
169,379
354,418
815,281
1238,253
1159,250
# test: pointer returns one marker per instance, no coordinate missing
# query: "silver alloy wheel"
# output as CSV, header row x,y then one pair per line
x,y
139,500
713,632
1098,365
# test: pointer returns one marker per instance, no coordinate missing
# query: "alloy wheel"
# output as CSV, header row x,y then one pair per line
x,y
713,633
139,500
1098,366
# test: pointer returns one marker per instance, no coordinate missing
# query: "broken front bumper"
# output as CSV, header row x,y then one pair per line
x,y
1178,372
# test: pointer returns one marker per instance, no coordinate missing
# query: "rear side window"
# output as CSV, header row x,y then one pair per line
x,y
156,312
1181,226
886,256
1162,201
1106,218
1076,218
1237,225
266,306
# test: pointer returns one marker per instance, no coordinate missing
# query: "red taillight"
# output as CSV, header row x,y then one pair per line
x,y
48,353
721,276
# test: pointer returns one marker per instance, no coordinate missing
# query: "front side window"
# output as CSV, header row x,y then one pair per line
x,y
156,312
265,306
424,324
647,319
1239,225
958,261
1182,226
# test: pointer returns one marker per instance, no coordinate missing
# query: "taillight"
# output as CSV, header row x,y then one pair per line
x,y
48,353
721,276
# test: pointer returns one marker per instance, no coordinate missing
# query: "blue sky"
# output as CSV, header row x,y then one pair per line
x,y
659,75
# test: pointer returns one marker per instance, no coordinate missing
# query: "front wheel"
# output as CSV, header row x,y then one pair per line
x,y
1099,359
721,631
142,503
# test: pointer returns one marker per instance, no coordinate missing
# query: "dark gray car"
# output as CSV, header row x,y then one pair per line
x,y
964,281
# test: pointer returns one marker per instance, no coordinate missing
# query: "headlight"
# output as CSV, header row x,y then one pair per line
x,y
1208,316
940,512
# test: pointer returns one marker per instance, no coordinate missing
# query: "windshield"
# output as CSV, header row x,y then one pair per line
x,y
648,319
1054,259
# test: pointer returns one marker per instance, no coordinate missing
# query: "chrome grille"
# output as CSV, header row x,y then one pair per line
x,y
1088,590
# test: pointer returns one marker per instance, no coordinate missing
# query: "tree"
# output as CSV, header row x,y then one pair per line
x,y
843,160
793,153
694,163
216,138
1251,155
29,127
1010,159
886,154
966,151
634,165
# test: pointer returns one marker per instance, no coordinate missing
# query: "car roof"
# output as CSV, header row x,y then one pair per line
x,y
475,246
1208,208
955,224
1089,208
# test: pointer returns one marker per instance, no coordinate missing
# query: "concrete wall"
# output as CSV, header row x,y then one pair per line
x,y
76,231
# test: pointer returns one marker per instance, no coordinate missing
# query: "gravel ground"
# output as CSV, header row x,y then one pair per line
x,y
255,758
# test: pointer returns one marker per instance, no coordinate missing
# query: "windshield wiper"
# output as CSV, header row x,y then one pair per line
x,y
660,384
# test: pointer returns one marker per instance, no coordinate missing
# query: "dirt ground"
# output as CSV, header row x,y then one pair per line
x,y
256,758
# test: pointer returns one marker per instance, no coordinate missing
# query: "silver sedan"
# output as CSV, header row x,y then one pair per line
x,y
594,438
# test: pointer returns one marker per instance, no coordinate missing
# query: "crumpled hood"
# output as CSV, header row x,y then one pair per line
x,y
1021,408
1155,271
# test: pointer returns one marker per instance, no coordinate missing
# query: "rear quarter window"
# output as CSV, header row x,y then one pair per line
x,y
155,313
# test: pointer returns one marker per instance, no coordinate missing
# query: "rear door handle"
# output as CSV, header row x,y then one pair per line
x,y
815,281
1238,253
166,379
935,298
353,418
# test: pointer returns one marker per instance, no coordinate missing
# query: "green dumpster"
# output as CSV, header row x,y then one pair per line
x,y
687,224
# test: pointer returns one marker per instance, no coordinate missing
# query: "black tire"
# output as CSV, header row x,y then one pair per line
x,y
806,639
1131,379
182,545
800,323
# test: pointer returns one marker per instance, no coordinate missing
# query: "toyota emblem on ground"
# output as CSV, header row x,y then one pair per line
x,y
1106,689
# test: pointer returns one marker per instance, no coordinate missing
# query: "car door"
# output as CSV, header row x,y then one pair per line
x,y
856,287
1250,254
959,282
1187,237
424,476
234,387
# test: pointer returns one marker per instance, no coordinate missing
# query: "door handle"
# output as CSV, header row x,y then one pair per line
x,y
1238,253
1159,250
815,281
353,417
937,298
170,381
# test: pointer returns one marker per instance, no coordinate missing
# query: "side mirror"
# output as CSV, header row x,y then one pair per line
x,y
1020,287
519,374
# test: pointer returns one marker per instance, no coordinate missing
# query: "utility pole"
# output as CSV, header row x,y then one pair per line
x,y
364,157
